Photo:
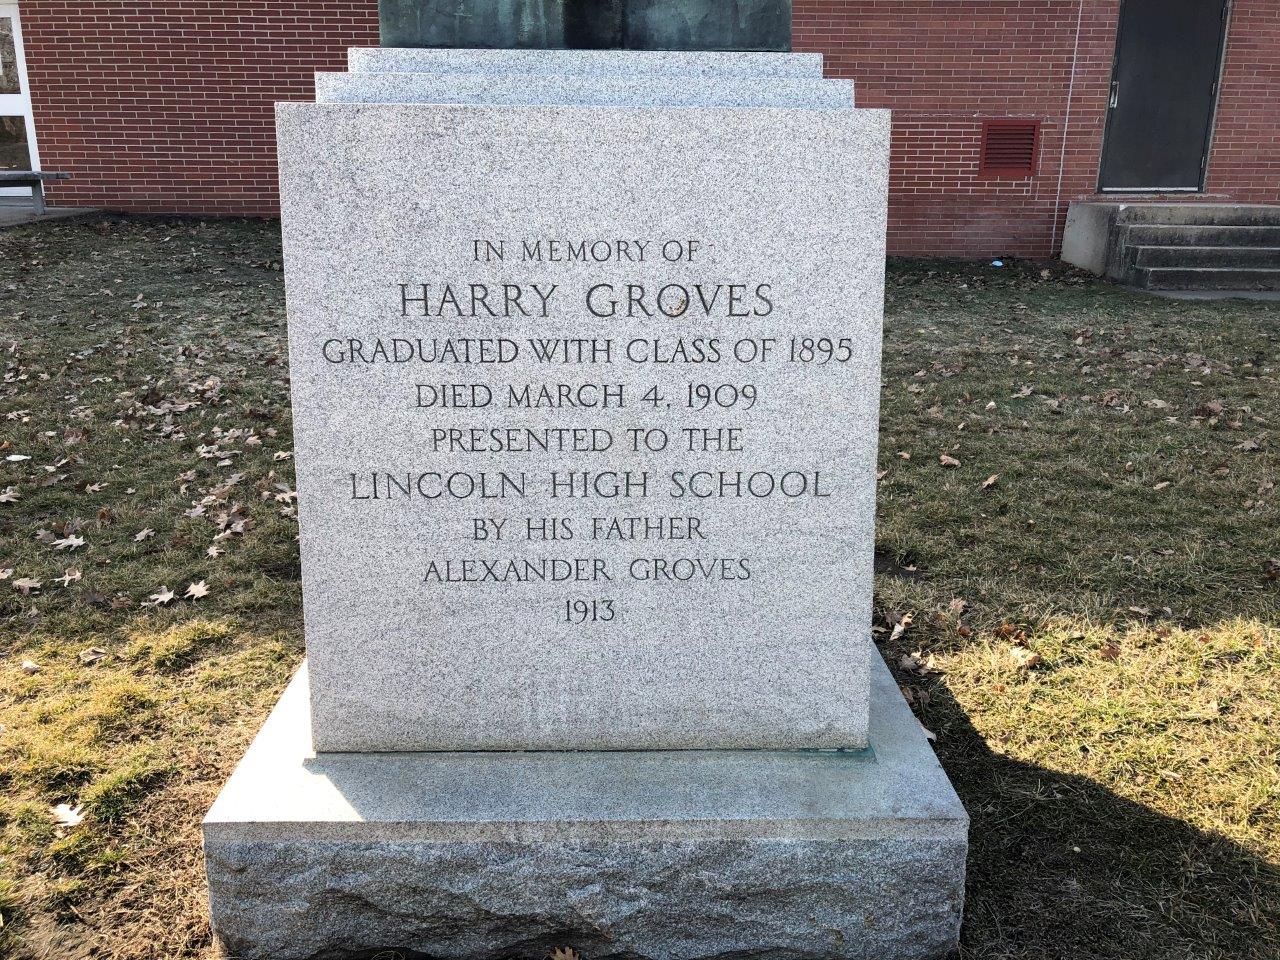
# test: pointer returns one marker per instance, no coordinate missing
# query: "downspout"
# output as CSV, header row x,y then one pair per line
x,y
1066,127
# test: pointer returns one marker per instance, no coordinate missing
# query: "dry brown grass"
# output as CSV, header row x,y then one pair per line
x,y
1092,637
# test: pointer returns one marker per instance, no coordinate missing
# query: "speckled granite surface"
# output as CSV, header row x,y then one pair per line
x,y
413,644
587,62
638,90
715,852
625,854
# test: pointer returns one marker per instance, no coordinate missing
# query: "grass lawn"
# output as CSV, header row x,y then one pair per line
x,y
1082,602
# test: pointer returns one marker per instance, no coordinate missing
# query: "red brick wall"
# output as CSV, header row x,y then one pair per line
x,y
945,65
1245,160
165,105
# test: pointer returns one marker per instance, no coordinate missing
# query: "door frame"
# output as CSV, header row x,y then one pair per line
x,y
1227,9
13,104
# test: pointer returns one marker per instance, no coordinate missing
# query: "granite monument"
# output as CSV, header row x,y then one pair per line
x,y
584,355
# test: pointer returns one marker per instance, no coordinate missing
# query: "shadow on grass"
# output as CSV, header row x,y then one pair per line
x,y
1060,866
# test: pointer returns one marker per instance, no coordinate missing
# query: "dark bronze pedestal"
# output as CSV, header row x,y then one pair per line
x,y
588,24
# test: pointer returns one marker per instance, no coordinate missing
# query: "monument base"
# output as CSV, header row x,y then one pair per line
x,y
695,854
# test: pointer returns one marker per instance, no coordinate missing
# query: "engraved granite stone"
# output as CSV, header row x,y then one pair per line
x,y
495,316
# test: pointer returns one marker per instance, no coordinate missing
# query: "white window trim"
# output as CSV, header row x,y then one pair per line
x,y
14,104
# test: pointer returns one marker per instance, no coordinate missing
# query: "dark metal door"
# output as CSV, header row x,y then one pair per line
x,y
1163,88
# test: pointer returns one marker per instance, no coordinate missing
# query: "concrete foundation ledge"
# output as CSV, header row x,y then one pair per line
x,y
698,854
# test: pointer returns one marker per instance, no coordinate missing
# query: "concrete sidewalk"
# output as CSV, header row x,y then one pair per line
x,y
18,211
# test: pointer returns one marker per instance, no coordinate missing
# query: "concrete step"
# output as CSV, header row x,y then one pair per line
x,y
1206,278
1220,214
1203,235
1224,257
1176,246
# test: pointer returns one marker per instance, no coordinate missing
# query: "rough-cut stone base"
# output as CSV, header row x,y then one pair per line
x,y
699,854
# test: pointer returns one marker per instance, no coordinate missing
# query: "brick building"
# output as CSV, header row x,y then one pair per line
x,y
1004,110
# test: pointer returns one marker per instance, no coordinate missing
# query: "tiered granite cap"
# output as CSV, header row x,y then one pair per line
x,y
584,78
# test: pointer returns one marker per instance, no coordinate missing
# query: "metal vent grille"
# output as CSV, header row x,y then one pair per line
x,y
1009,147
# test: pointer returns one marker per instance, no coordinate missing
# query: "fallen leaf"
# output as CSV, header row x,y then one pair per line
x,y
92,655
26,585
9,495
69,576
917,697
144,534
948,461
197,590
161,597
69,543
928,664
900,627
1161,485
1025,658
30,666
1109,651
990,482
